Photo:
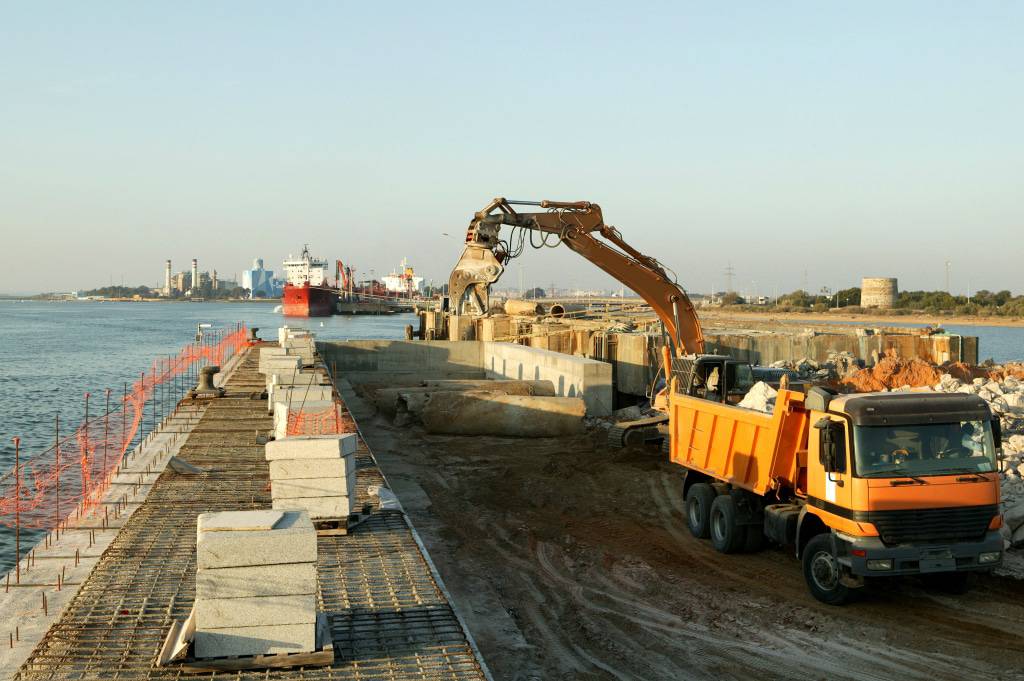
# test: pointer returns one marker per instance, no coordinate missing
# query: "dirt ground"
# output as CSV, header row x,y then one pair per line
x,y
571,561
879,318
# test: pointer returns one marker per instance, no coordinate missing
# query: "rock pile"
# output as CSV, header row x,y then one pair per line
x,y
838,365
1006,399
760,397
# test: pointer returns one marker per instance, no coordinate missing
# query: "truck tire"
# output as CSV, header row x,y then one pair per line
x,y
726,535
823,572
698,509
755,539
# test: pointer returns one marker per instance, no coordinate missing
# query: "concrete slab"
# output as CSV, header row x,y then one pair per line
x,y
282,638
317,507
292,540
297,394
233,521
300,469
312,487
311,447
256,580
259,611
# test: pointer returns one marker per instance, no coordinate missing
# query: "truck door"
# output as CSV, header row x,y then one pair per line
x,y
829,473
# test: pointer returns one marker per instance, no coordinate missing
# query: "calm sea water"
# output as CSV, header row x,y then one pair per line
x,y
51,353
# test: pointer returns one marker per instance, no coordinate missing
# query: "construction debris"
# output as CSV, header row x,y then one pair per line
x,y
761,397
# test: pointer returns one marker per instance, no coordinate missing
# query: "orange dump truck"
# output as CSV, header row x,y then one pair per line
x,y
863,485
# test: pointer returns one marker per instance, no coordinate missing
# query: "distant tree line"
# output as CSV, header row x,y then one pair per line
x,y
147,292
981,303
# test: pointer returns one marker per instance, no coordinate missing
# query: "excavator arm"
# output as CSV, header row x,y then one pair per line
x,y
575,224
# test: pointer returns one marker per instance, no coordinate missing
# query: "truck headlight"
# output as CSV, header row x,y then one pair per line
x,y
880,564
989,557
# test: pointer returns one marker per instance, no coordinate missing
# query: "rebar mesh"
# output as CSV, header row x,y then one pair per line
x,y
389,619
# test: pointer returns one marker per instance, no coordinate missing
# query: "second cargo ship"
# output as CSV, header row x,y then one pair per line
x,y
306,290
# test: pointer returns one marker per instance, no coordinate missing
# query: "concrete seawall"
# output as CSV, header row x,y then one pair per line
x,y
382,361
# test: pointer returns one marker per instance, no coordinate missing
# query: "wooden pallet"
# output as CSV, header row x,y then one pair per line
x,y
178,652
332,527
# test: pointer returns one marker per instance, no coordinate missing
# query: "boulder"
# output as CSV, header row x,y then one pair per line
x,y
761,397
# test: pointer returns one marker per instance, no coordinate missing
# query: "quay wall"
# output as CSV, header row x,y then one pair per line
x,y
397,361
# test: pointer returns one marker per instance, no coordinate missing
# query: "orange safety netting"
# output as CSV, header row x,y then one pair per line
x,y
72,475
332,420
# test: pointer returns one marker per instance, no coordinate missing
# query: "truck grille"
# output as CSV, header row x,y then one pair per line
x,y
934,525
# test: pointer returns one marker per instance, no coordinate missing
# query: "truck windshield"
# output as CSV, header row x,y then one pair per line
x,y
927,449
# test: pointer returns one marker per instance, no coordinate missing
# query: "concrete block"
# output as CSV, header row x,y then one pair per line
x,y
302,469
297,394
297,488
311,447
246,641
282,412
279,365
256,581
235,542
317,507
225,613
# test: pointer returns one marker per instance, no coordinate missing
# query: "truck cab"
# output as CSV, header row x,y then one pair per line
x,y
905,483
862,485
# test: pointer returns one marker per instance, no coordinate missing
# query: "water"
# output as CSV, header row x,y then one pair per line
x,y
51,353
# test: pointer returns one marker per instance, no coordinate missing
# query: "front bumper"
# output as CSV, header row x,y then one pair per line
x,y
915,559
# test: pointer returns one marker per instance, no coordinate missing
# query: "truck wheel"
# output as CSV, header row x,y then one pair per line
x,y
698,509
755,539
957,583
823,572
726,535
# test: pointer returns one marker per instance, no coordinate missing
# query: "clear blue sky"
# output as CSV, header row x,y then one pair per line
x,y
847,139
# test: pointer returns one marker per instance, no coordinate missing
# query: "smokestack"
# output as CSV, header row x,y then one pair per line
x,y
167,279
195,274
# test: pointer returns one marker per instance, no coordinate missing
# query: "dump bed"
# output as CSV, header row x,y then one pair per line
x,y
747,448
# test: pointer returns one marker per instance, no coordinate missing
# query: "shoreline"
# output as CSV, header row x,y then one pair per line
x,y
867,320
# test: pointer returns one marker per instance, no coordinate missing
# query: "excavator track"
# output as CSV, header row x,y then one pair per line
x,y
630,433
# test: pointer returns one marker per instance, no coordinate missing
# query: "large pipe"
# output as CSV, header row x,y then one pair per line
x,y
556,311
488,413
523,308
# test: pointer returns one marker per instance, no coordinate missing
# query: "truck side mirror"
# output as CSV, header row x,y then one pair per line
x,y
997,433
831,446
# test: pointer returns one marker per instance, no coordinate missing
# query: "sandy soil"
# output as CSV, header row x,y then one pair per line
x,y
570,561
711,314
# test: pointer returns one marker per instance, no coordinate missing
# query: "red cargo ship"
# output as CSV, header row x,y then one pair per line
x,y
306,291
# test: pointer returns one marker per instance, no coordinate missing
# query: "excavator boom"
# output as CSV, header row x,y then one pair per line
x,y
576,225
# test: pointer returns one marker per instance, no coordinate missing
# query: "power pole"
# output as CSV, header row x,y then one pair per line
x,y
947,277
729,273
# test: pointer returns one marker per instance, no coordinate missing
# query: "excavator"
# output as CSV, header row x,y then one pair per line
x,y
578,225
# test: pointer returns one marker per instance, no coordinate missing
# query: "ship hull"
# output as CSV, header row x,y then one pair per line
x,y
308,301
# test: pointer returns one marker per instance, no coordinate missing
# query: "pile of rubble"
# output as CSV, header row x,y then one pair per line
x,y
837,366
1006,399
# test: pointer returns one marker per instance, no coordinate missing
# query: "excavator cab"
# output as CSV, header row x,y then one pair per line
x,y
717,378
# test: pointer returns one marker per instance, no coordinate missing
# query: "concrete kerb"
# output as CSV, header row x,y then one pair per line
x,y
86,538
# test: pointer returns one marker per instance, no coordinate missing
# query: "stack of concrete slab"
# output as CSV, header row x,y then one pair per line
x,y
286,332
296,395
302,347
314,473
278,361
300,381
255,583
283,410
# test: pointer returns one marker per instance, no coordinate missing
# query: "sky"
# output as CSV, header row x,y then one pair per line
x,y
796,141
